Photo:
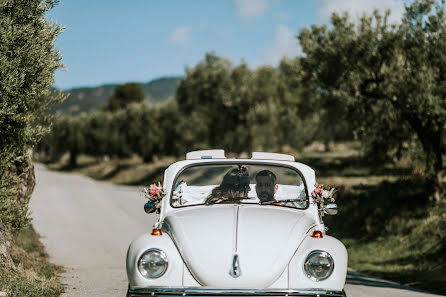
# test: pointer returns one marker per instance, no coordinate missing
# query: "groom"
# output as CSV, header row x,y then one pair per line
x,y
266,186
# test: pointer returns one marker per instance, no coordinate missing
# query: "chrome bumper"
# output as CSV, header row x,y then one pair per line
x,y
180,292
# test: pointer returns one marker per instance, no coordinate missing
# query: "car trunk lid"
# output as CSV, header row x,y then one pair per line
x,y
259,240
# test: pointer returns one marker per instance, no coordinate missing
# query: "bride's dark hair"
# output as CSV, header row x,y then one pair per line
x,y
235,184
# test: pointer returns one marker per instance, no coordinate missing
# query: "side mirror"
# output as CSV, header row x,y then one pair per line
x,y
331,209
149,207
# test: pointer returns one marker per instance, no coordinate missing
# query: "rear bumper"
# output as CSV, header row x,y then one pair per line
x,y
181,292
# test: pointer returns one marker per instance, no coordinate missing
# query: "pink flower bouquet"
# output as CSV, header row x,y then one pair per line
x,y
154,194
323,195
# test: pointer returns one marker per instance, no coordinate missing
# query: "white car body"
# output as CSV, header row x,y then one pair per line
x,y
270,244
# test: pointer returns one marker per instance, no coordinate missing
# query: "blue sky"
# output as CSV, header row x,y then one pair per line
x,y
117,41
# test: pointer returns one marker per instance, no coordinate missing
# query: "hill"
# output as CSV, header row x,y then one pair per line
x,y
90,99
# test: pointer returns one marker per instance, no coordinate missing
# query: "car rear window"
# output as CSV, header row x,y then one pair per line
x,y
264,184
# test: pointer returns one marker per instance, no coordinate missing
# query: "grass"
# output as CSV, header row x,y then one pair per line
x,y
34,276
131,171
386,221
395,258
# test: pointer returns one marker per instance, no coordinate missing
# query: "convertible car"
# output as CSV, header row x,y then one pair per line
x,y
238,227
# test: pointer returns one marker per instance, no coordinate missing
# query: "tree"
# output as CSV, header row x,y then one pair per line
x,y
203,94
74,139
169,131
141,130
97,133
299,109
240,137
27,62
264,114
391,77
241,109
124,95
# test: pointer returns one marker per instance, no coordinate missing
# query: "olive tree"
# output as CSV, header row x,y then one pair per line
x,y
203,94
27,62
124,95
390,77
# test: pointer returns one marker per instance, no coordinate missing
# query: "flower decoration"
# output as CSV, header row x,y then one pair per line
x,y
154,194
323,195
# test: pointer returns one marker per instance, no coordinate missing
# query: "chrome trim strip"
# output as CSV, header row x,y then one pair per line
x,y
236,229
138,291
235,270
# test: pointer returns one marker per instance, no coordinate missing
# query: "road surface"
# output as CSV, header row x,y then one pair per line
x,y
86,227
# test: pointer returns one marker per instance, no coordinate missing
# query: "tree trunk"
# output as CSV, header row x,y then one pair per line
x,y
73,159
326,145
430,136
5,258
147,158
24,170
434,168
27,182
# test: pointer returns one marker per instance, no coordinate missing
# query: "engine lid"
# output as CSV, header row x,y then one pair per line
x,y
237,246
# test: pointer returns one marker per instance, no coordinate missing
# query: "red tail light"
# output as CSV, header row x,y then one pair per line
x,y
317,234
157,232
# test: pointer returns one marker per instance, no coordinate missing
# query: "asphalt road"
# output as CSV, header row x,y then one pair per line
x,y
86,227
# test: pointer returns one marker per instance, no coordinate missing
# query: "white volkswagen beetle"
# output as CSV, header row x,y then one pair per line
x,y
238,227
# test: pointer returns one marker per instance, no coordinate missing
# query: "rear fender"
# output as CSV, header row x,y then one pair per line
x,y
297,276
174,274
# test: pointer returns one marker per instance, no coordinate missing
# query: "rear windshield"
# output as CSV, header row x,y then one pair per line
x,y
263,184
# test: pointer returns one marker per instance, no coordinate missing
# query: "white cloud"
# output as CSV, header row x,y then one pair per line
x,y
356,8
180,36
250,8
285,44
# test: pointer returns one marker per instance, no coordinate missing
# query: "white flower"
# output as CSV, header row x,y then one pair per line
x,y
325,194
